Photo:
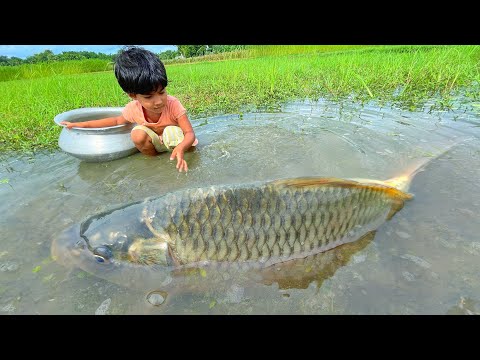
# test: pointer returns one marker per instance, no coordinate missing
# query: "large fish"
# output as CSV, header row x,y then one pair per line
x,y
262,225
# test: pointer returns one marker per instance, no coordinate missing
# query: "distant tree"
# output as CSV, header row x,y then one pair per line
x,y
4,60
46,56
10,61
202,50
14,61
191,50
168,54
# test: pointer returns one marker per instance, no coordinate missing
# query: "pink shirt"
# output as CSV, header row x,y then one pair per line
x,y
133,112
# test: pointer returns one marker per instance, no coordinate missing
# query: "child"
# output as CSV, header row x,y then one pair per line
x,y
162,120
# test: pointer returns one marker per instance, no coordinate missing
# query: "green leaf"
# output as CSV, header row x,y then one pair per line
x,y
36,269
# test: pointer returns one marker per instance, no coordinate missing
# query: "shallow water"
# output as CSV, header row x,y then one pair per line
x,y
423,261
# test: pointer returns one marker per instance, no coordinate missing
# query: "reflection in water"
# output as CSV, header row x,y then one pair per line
x,y
293,274
299,274
48,193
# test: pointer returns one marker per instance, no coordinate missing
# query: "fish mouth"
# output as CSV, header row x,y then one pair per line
x,y
70,249
66,244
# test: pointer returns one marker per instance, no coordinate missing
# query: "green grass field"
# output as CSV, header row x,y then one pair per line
x,y
259,77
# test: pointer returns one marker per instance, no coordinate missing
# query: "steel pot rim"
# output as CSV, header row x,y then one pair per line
x,y
82,111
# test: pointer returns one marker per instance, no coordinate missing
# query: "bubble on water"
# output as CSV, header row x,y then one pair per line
x,y
156,297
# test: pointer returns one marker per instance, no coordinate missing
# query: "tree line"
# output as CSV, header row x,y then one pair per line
x,y
183,51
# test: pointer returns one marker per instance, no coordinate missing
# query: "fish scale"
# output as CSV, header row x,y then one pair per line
x,y
266,222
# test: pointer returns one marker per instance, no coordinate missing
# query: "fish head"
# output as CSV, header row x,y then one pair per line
x,y
72,250
116,229
126,236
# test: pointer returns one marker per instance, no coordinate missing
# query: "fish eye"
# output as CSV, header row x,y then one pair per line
x,y
102,254
99,258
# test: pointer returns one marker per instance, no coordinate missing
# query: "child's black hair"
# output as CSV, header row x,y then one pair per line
x,y
139,71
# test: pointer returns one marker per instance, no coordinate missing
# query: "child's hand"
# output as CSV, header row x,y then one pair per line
x,y
181,163
68,124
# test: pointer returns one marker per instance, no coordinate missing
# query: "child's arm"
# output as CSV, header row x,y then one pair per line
x,y
107,122
187,142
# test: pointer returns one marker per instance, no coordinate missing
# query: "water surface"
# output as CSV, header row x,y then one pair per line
x,y
423,261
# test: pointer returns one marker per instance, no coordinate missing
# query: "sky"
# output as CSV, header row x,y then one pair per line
x,y
23,51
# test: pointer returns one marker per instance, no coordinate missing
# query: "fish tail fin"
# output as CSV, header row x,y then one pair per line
x,y
403,180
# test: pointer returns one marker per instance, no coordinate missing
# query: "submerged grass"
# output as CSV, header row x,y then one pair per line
x,y
406,75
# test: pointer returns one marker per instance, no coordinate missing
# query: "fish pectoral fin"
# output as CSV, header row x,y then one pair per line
x,y
148,222
173,258
396,207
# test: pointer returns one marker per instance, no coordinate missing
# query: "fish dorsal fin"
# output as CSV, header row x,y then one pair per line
x,y
374,185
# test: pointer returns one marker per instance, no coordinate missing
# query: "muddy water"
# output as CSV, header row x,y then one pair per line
x,y
423,261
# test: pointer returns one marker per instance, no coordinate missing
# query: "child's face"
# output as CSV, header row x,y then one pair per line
x,y
153,102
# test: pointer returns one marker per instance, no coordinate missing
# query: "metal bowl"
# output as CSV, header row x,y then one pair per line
x,y
95,144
